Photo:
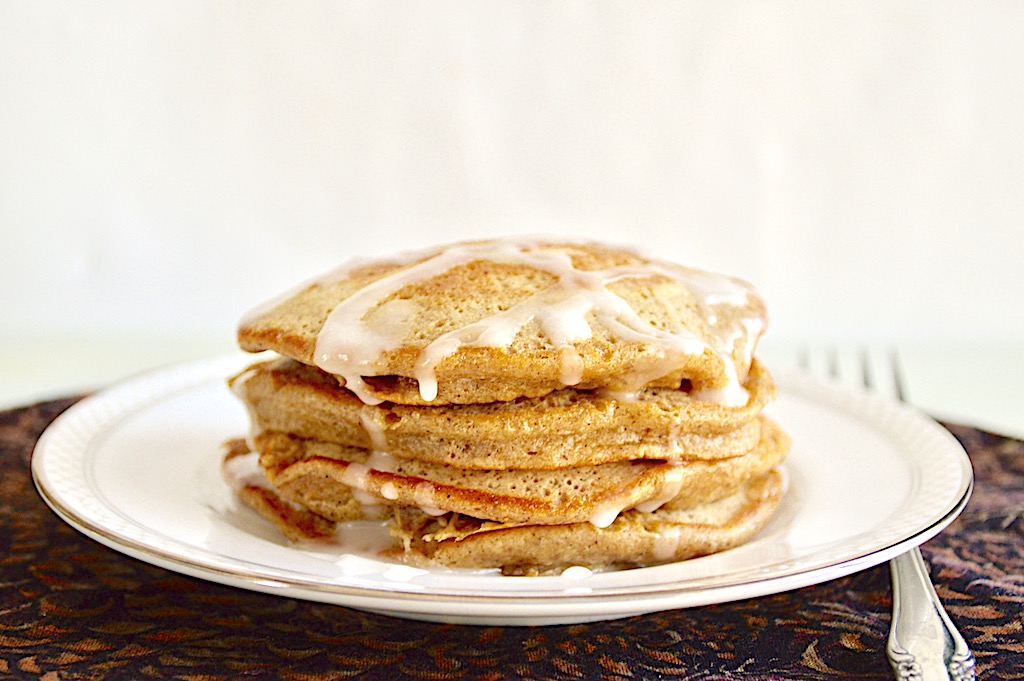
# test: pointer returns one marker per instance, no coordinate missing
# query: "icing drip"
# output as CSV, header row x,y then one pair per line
x,y
389,491
244,471
667,543
605,515
577,572
357,476
424,496
670,489
374,430
369,323
570,365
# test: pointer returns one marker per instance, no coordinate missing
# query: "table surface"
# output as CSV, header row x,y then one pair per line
x,y
71,608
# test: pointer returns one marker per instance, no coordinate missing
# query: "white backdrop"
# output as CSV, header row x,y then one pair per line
x,y
166,165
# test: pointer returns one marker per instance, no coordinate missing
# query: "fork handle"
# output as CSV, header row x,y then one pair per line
x,y
923,643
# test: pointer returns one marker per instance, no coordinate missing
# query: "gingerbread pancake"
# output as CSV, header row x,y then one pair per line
x,y
336,481
496,320
634,539
568,427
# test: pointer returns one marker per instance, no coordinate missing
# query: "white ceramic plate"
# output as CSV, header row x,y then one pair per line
x,y
137,468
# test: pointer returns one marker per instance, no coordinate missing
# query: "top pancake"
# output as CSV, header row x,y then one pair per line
x,y
496,320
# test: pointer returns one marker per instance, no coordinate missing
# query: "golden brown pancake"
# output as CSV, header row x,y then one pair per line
x,y
497,320
567,427
634,539
337,481
294,522
675,531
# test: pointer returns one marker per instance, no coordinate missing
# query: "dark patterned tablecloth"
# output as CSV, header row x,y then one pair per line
x,y
73,609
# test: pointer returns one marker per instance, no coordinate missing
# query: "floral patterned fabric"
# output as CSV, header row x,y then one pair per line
x,y
73,609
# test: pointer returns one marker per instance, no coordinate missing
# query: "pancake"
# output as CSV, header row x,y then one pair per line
x,y
634,539
675,531
496,320
292,521
337,482
567,427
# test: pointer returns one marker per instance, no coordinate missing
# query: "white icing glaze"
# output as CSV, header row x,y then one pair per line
x,y
255,428
604,515
362,539
356,475
733,394
667,543
389,491
423,495
570,365
361,329
577,572
374,429
670,489
381,460
243,471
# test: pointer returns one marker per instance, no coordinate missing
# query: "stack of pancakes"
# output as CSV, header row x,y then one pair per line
x,y
528,405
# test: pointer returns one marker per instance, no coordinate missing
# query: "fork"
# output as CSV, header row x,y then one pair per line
x,y
923,644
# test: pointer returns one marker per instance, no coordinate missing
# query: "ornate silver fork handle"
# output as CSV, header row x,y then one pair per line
x,y
923,642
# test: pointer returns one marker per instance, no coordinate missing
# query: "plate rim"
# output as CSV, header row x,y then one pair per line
x,y
538,607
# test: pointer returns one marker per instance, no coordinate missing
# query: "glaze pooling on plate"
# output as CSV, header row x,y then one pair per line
x,y
136,468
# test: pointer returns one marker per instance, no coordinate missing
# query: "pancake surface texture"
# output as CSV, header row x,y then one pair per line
x,y
521,404
495,320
